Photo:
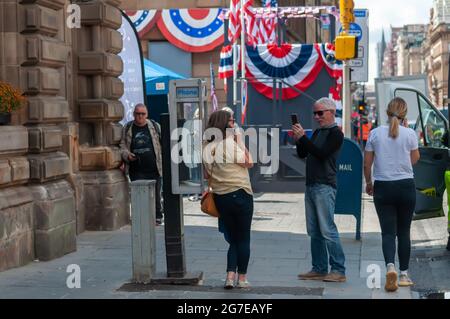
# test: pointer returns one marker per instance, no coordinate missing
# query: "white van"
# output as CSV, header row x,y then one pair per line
x,y
431,127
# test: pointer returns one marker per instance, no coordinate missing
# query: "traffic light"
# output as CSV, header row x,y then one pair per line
x,y
362,108
346,45
346,16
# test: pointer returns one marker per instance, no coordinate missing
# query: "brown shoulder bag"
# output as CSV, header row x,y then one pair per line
x,y
208,206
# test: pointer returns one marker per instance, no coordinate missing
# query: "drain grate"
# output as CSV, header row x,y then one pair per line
x,y
269,290
432,259
437,295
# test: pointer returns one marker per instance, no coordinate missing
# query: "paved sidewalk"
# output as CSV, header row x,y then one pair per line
x,y
280,250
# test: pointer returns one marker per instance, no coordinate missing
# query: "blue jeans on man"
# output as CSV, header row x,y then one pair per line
x,y
326,246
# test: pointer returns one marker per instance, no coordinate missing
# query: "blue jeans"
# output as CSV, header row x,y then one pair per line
x,y
320,201
236,212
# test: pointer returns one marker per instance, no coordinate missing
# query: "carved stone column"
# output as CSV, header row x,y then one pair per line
x,y
44,74
105,189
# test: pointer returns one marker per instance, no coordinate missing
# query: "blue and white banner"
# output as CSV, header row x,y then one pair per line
x,y
132,76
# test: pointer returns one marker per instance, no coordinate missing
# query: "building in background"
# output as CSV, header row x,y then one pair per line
x,y
381,49
422,49
436,51
158,48
390,65
409,49
404,52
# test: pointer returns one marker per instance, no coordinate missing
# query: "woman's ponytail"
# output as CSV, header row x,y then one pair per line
x,y
394,127
396,112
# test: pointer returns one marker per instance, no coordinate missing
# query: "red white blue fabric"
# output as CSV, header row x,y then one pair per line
x,y
296,64
214,102
327,52
192,30
335,69
143,20
234,26
244,100
251,23
226,62
267,26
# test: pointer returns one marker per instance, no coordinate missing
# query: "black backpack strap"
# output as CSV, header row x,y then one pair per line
x,y
128,126
157,128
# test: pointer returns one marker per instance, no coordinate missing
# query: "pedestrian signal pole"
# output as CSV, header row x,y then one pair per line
x,y
346,49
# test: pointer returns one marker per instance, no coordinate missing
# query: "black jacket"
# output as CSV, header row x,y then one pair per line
x,y
321,153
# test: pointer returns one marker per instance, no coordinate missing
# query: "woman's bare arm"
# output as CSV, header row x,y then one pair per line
x,y
415,157
368,162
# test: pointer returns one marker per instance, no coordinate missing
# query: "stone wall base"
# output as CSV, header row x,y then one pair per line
x,y
55,220
106,199
16,228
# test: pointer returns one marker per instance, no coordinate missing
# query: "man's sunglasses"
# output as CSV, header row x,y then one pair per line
x,y
141,114
320,113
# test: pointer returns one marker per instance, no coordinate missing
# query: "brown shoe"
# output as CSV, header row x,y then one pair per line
x,y
391,281
335,277
312,275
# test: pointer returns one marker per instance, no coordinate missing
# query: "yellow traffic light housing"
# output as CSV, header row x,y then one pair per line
x,y
347,16
346,47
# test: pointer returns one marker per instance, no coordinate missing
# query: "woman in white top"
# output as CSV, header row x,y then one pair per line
x,y
393,150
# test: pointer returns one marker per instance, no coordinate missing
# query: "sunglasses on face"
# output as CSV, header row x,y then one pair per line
x,y
320,113
232,120
140,114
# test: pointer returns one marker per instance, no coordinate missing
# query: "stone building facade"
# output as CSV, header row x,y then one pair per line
x,y
390,64
437,52
59,157
409,49
404,53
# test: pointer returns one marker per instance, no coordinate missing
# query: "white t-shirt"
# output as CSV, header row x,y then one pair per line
x,y
392,156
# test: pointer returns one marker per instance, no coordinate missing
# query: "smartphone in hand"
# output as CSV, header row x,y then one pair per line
x,y
294,119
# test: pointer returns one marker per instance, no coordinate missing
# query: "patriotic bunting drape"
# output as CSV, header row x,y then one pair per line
x,y
334,68
234,26
192,30
296,64
143,20
226,62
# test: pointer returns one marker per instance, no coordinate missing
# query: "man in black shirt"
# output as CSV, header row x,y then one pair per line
x,y
141,151
321,153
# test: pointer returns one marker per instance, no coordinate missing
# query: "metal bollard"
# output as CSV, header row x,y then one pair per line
x,y
143,231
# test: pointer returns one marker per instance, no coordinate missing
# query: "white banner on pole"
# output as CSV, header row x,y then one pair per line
x,y
132,76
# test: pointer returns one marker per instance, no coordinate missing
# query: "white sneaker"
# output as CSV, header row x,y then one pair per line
x,y
405,281
243,284
229,284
